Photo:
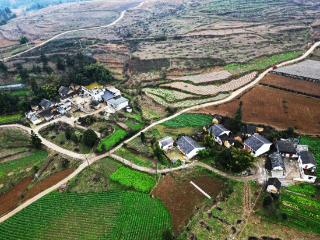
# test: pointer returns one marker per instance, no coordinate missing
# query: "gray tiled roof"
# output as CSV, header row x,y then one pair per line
x,y
307,158
117,101
307,69
285,146
45,103
63,91
217,129
276,160
187,144
108,95
256,141
166,141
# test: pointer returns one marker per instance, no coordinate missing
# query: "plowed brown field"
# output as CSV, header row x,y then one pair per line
x,y
291,84
274,107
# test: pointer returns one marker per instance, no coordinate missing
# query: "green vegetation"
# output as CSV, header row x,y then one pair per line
x,y
12,118
137,180
22,164
189,120
314,147
107,215
96,178
298,207
135,158
110,141
261,63
23,40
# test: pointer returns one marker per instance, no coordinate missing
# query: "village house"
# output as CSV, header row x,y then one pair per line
x,y
65,92
248,130
257,145
34,118
286,148
273,185
275,165
166,143
307,166
118,103
189,147
64,107
220,134
45,104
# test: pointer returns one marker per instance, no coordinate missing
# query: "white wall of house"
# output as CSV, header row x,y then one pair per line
x,y
194,153
166,147
120,106
263,149
277,172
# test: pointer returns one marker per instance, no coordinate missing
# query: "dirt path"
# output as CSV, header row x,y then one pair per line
x,y
91,160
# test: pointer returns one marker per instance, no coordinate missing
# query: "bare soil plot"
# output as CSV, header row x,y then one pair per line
x,y
205,77
213,89
274,107
181,198
292,84
20,193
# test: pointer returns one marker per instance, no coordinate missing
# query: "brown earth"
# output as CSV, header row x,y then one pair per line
x,y
291,84
20,193
274,107
182,199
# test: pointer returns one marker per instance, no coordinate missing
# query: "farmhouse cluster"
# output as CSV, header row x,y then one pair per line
x,y
78,98
278,155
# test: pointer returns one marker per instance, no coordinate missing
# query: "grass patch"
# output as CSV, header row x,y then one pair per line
x,y
189,120
314,147
21,93
108,215
94,85
261,63
12,118
15,166
130,178
135,158
113,139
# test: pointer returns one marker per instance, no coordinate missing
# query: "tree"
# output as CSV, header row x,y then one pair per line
x,y
23,40
35,140
96,72
90,138
43,59
143,137
3,68
236,122
158,153
167,235
60,64
68,133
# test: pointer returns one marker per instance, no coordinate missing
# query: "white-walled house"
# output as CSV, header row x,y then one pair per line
x,y
189,147
219,132
257,145
307,166
276,165
166,143
118,103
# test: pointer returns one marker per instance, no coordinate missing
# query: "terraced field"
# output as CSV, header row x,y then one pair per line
x,y
106,215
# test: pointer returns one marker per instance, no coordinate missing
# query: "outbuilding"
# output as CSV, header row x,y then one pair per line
x,y
273,185
189,147
166,143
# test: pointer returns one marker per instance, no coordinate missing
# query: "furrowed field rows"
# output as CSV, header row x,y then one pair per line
x,y
108,215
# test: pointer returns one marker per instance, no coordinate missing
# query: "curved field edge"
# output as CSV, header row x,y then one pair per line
x,y
106,215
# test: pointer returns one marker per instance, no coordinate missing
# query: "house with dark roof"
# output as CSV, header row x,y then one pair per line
x,y
307,166
248,130
286,148
219,133
64,92
108,95
166,143
275,165
257,145
45,104
189,147
273,185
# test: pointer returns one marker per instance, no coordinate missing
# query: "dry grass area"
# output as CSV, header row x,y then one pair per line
x,y
215,75
292,84
213,89
277,108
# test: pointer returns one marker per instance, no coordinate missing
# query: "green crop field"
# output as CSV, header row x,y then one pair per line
x,y
109,215
35,159
261,63
131,178
6,119
314,147
189,120
113,139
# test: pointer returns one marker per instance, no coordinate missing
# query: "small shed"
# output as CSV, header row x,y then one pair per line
x,y
273,185
166,143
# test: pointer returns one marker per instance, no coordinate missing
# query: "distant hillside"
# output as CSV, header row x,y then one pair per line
x,y
32,4
5,15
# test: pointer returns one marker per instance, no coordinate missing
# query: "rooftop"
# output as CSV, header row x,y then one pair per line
x,y
307,158
274,182
187,144
285,146
117,101
217,130
256,141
